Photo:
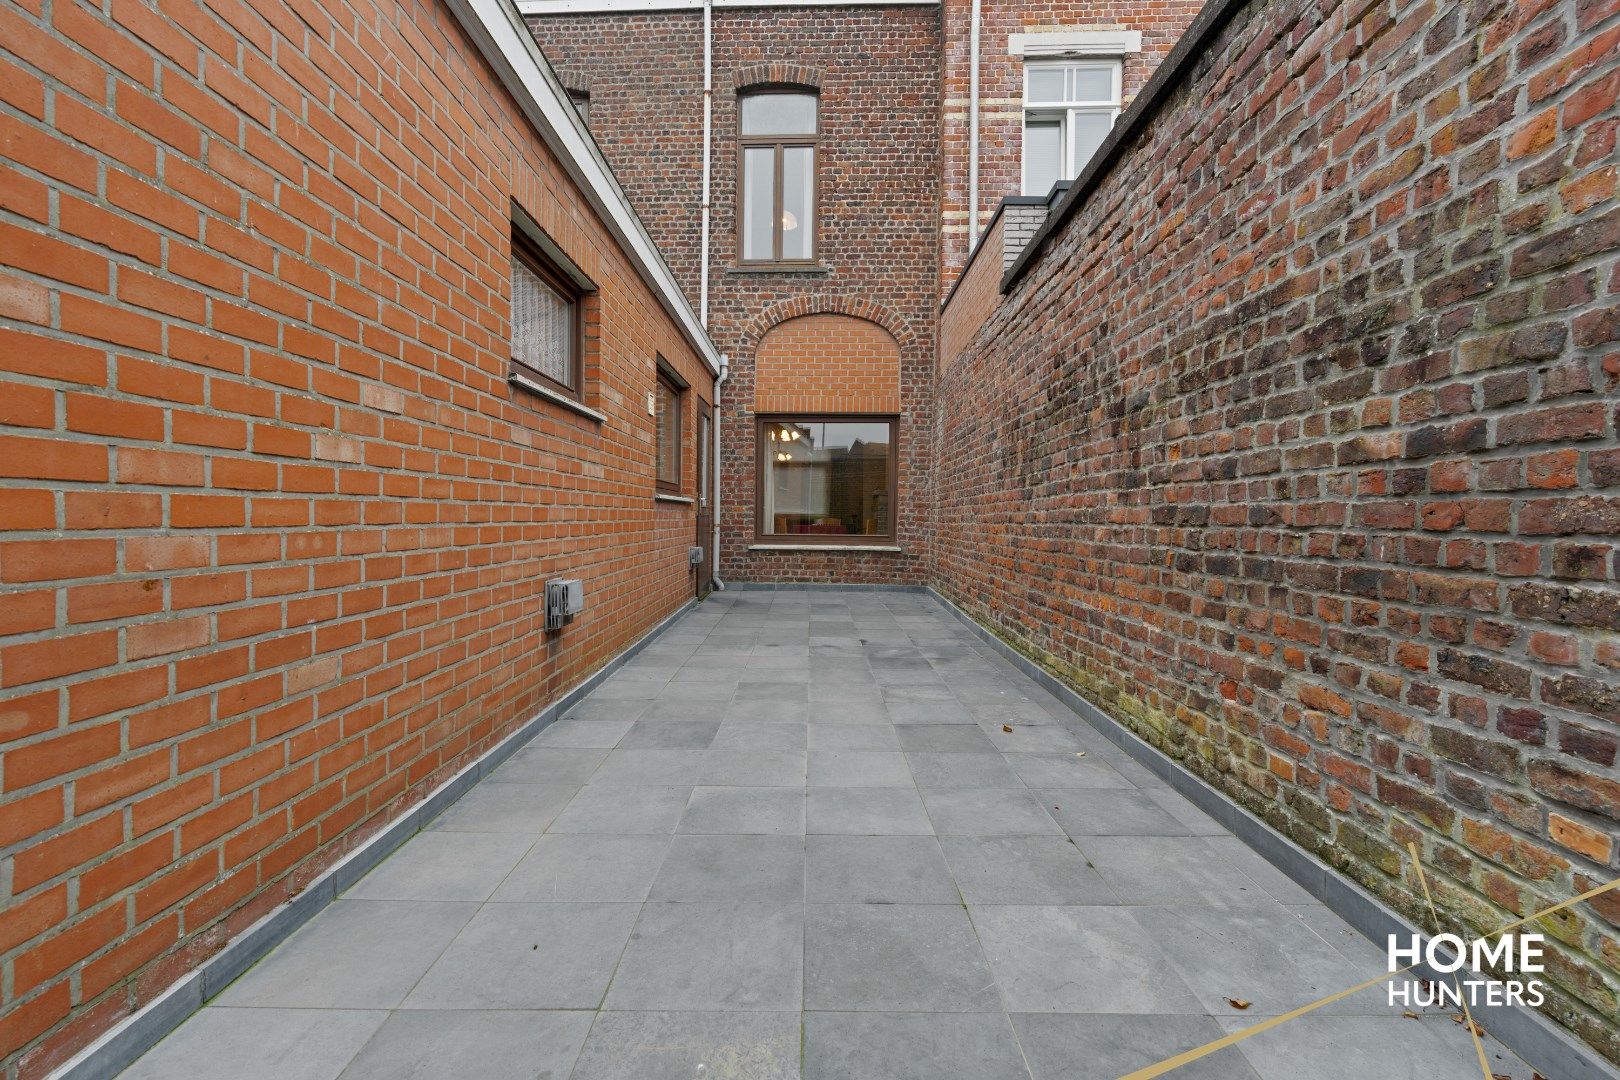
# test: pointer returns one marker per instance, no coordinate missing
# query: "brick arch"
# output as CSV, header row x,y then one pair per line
x,y
823,304
776,73
573,79
827,362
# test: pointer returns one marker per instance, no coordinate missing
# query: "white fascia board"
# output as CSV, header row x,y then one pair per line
x,y
600,7
509,48
1075,43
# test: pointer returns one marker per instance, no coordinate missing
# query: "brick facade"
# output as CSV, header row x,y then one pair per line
x,y
1296,450
275,524
1001,92
877,70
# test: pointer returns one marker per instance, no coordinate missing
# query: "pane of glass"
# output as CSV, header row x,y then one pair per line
x,y
798,200
1091,84
1043,154
542,325
779,114
759,195
1090,129
1045,84
827,479
668,426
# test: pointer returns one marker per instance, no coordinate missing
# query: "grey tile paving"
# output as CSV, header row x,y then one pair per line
x,y
894,958
583,866
714,868
753,768
910,1046
260,1044
756,810
858,768
359,954
988,812
671,1046
444,866
1023,870
549,765
935,770
528,956
605,808
1171,870
1078,959
1085,1046
472,1045
731,955
1110,812
866,811
877,870
506,808
800,801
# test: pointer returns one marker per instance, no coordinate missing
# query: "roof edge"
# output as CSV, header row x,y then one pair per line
x,y
509,48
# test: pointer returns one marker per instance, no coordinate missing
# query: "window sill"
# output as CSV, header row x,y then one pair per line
x,y
783,268
826,547
686,500
556,398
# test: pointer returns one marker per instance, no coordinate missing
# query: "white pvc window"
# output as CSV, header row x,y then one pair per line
x,y
1069,108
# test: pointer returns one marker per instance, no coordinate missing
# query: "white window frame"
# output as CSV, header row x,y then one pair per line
x,y
1065,111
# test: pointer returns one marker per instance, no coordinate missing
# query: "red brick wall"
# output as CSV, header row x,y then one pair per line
x,y
878,71
973,297
1001,91
827,364
275,526
1297,451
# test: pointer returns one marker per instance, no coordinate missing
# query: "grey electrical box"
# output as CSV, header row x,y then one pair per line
x,y
565,598
694,555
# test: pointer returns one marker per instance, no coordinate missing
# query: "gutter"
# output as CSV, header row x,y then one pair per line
x,y
498,32
1211,20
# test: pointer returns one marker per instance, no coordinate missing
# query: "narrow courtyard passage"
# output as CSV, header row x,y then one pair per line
x,y
822,835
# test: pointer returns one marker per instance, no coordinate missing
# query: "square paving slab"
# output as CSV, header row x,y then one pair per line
x,y
790,840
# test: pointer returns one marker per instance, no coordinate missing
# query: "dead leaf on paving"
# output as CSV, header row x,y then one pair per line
x,y
1006,727
1238,1003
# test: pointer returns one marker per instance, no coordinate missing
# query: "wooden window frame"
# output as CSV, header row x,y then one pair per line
x,y
528,252
761,536
780,143
666,376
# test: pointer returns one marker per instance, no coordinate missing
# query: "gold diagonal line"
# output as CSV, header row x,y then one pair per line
x,y
1456,980
1187,1057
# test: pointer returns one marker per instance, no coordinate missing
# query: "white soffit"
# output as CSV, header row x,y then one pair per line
x,y
1075,43
510,49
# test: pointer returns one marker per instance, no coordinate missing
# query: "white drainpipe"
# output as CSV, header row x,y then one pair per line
x,y
973,130
708,117
714,471
703,286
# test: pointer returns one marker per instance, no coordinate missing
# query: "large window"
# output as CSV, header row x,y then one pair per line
x,y
1069,108
546,334
667,428
826,479
776,219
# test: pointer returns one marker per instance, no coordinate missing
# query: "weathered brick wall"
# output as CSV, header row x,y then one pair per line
x,y
274,525
878,73
1001,91
1297,451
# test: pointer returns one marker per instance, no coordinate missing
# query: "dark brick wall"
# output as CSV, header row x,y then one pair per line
x,y
1297,451
878,71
